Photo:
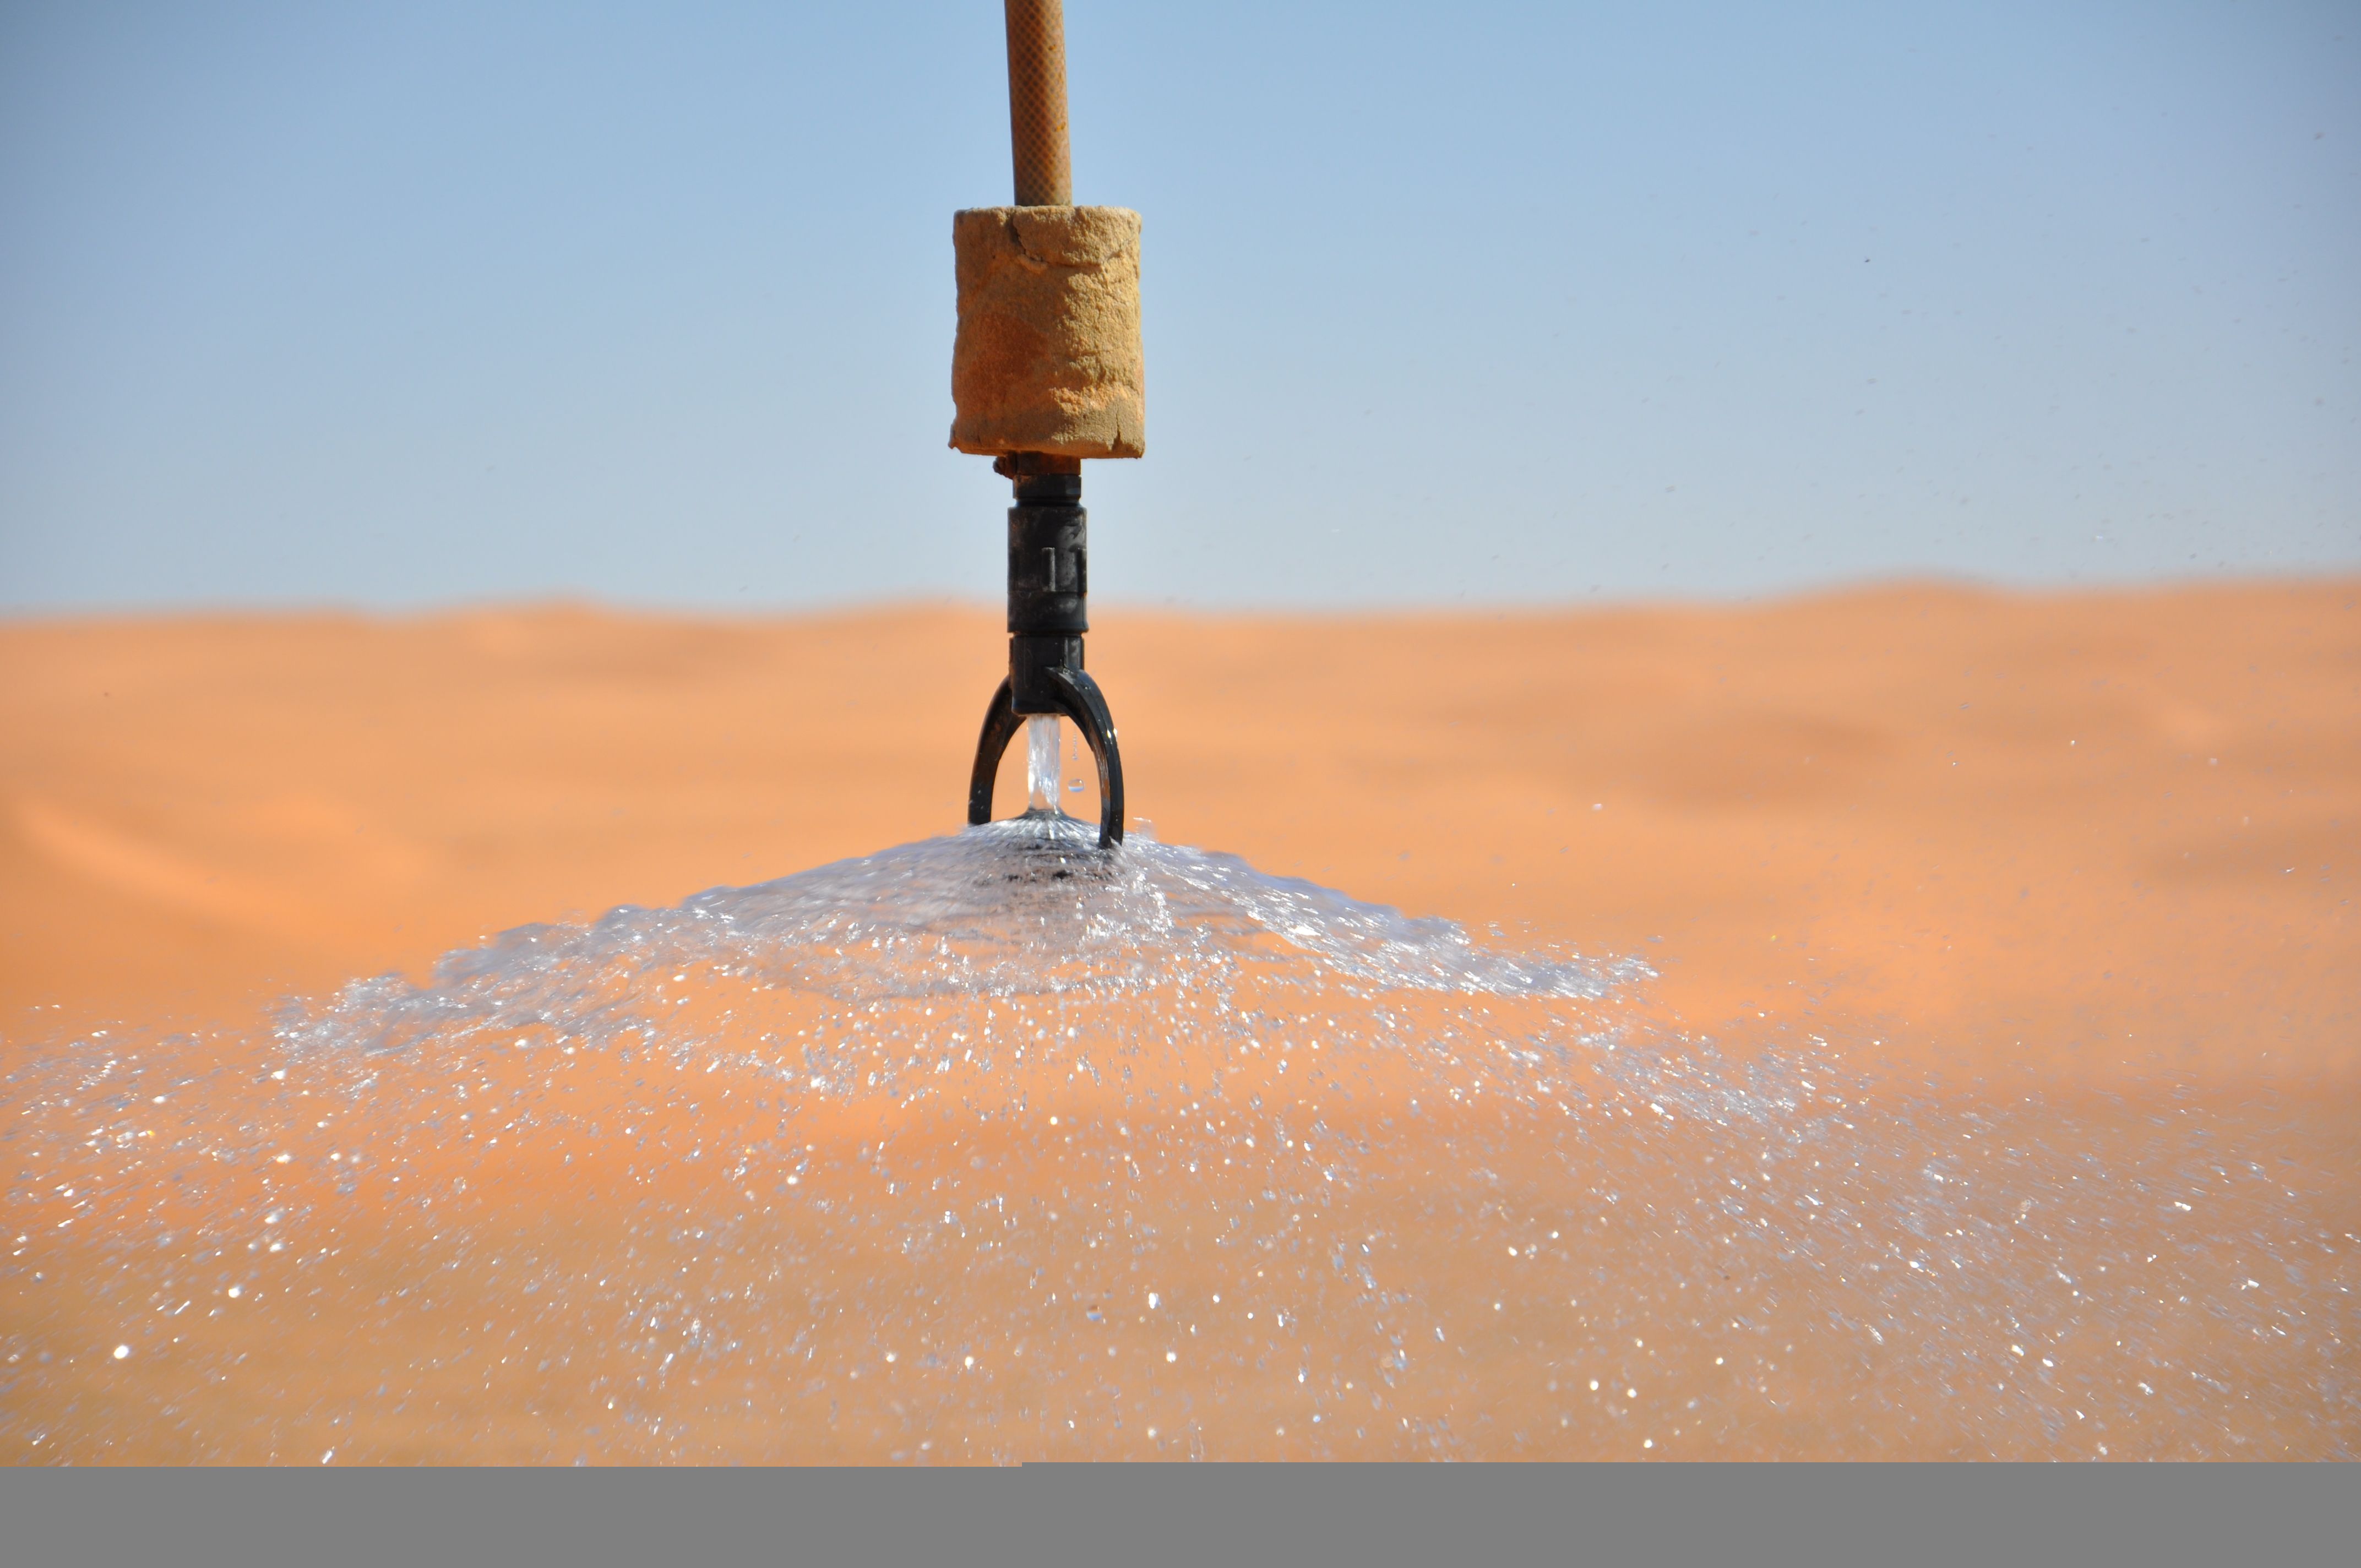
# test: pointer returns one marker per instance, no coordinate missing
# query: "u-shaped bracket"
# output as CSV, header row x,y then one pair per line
x,y
1076,696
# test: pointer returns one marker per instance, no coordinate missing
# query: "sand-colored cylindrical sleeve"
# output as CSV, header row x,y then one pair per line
x,y
1047,356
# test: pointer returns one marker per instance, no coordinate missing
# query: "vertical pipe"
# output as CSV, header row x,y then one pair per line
x,y
1037,102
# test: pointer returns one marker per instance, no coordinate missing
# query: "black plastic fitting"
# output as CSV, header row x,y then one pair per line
x,y
1048,584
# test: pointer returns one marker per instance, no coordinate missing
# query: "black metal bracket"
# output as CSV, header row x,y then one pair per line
x,y
1049,582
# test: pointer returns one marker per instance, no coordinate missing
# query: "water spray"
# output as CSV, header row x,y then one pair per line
x,y
1045,372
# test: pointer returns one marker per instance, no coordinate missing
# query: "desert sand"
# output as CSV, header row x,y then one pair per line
x,y
2087,845
2070,835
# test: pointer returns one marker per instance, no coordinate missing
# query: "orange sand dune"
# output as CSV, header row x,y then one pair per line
x,y
2066,834
2098,849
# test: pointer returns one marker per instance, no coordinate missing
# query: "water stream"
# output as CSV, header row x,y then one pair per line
x,y
994,1148
1043,772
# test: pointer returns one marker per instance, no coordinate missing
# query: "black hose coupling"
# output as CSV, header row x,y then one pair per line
x,y
1048,579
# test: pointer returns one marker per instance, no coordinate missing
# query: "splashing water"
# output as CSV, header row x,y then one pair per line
x,y
1043,772
996,1146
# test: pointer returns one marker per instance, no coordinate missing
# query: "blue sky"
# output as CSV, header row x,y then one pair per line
x,y
403,304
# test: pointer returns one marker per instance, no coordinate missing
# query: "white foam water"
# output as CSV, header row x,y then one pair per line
x,y
1026,905
997,1146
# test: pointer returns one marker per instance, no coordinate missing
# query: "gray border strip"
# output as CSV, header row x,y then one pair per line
x,y
1300,1517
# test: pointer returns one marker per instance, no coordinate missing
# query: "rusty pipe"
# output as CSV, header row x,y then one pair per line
x,y
1037,104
